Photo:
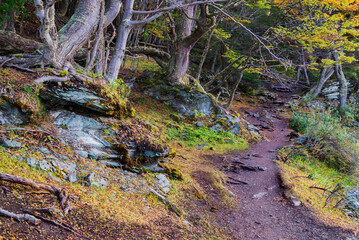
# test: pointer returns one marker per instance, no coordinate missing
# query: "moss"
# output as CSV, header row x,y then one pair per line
x,y
64,73
176,174
147,83
174,90
188,88
175,117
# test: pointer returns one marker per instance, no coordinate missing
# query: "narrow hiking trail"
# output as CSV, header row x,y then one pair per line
x,y
262,212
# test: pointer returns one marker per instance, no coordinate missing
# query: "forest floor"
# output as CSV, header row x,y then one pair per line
x,y
256,210
261,211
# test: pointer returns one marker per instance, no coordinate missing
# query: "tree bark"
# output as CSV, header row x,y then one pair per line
x,y
179,62
343,85
204,55
324,77
122,35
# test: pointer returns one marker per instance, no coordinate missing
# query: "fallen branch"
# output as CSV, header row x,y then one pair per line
x,y
25,130
20,217
170,205
61,224
60,193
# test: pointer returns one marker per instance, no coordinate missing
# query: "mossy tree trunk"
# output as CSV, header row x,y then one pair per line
x,y
184,39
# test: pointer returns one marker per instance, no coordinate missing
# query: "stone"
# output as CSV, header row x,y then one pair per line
x,y
163,183
301,139
82,153
81,130
199,147
79,97
260,168
44,150
296,203
94,180
62,170
10,114
200,124
184,99
72,121
154,167
111,164
259,195
97,154
12,144
267,94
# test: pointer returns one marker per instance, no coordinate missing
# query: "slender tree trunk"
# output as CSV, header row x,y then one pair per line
x,y
204,55
324,77
233,93
122,36
214,61
343,85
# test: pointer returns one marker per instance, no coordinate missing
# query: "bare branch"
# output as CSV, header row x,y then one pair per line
x,y
176,5
283,61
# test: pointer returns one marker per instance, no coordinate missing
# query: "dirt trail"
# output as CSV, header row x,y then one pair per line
x,y
262,212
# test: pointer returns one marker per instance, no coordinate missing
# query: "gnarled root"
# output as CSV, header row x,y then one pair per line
x,y
60,193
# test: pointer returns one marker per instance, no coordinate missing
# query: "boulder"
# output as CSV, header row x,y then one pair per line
x,y
62,170
12,144
81,130
95,180
10,114
78,97
184,99
163,183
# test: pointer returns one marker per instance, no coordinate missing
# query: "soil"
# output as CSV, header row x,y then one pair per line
x,y
262,212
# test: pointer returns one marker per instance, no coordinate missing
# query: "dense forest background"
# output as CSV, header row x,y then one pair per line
x,y
214,44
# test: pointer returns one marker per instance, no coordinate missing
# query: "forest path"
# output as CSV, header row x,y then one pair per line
x,y
262,212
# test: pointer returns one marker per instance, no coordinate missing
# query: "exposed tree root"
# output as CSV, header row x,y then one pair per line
x,y
60,193
52,79
20,217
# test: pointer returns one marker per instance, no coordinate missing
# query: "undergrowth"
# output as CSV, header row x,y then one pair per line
x,y
321,168
192,136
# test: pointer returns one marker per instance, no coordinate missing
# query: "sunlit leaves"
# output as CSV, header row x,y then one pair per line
x,y
321,24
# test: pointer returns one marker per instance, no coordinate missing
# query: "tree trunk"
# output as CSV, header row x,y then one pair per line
x,y
60,48
326,74
204,54
179,61
122,35
343,85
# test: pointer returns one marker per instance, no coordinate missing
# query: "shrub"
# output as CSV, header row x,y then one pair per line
x,y
299,122
328,140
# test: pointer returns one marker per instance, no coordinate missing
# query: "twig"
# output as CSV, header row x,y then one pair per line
x,y
61,224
